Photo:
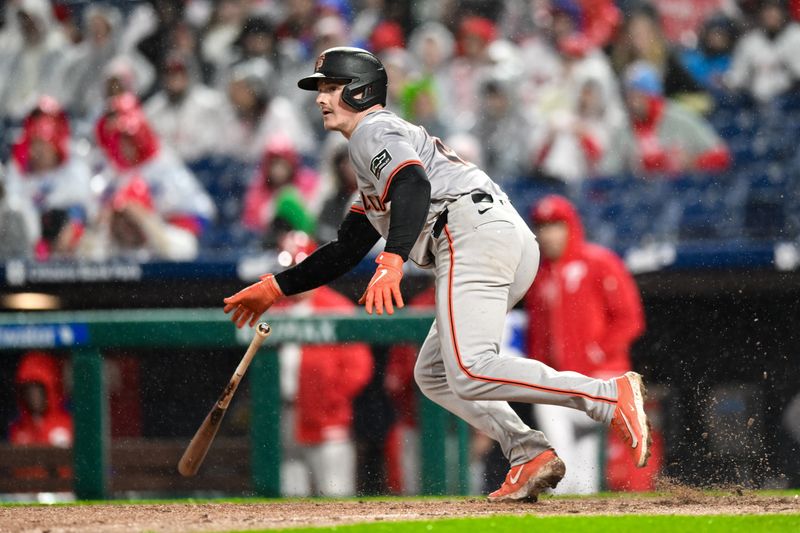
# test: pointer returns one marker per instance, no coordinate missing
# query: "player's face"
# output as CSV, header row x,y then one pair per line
x,y
336,115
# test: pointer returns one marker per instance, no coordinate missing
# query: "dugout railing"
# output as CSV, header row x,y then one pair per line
x,y
87,334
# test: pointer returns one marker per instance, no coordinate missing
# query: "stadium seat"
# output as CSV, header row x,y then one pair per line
x,y
764,218
745,120
226,180
702,219
741,148
764,206
525,192
723,121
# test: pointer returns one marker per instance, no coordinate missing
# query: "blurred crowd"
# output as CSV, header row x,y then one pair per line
x,y
116,115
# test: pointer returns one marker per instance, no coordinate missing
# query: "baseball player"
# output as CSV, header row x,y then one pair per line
x,y
447,215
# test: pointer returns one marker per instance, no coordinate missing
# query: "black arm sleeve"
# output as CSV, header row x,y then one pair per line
x,y
356,237
410,194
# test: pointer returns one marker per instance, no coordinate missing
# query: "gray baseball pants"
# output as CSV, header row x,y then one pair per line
x,y
486,258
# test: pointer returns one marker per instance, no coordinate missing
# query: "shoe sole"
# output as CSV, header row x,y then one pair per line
x,y
548,477
639,396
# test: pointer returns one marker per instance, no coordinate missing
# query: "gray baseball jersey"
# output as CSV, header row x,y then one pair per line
x,y
381,145
484,258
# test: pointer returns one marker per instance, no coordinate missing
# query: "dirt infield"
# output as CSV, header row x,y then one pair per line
x,y
207,517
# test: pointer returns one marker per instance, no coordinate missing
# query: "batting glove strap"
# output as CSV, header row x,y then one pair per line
x,y
390,260
270,286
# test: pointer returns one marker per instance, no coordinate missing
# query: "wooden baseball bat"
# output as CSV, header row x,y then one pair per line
x,y
201,442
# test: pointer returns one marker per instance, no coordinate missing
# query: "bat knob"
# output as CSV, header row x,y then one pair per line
x,y
263,328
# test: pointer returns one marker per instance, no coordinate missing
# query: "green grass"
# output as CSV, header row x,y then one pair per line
x,y
570,524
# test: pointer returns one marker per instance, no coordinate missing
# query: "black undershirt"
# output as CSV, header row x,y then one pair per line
x,y
409,194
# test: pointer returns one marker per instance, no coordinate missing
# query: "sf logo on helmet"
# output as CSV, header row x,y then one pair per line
x,y
320,61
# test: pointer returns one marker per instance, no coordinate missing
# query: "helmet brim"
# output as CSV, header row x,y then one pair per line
x,y
309,83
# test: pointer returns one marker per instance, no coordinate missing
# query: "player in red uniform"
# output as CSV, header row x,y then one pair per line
x,y
584,311
318,385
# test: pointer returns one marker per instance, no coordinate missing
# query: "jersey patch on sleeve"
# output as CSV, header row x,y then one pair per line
x,y
379,162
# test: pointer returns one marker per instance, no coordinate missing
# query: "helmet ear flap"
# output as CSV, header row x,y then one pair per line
x,y
361,95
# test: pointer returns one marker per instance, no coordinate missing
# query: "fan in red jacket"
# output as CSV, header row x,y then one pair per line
x,y
49,182
42,418
134,151
318,385
584,313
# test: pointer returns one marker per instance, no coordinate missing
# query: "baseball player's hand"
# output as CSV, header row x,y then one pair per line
x,y
249,303
384,285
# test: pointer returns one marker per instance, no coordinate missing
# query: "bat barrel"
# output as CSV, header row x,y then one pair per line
x,y
197,449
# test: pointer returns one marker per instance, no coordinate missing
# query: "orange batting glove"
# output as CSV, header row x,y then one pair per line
x,y
385,284
249,303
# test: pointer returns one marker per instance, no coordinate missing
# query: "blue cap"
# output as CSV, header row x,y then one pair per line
x,y
643,76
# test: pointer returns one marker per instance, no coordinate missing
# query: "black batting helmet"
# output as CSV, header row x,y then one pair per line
x,y
362,71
